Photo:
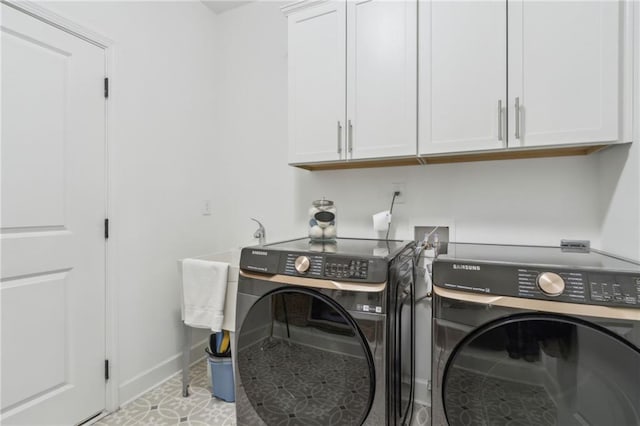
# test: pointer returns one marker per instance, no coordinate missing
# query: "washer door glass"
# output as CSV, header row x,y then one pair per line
x,y
542,370
303,360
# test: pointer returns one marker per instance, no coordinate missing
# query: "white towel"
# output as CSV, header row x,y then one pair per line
x,y
204,287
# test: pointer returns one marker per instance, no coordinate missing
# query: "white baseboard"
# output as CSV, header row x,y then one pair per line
x,y
158,374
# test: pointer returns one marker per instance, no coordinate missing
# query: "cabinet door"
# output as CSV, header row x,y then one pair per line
x,y
564,72
381,78
317,83
463,82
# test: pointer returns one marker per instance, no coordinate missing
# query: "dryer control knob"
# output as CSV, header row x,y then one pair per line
x,y
550,283
302,264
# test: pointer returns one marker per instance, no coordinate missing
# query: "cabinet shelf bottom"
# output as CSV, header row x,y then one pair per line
x,y
455,158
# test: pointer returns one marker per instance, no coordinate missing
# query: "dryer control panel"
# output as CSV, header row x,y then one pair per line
x,y
617,289
547,273
614,288
569,286
582,287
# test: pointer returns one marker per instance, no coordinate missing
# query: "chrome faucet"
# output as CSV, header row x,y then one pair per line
x,y
260,233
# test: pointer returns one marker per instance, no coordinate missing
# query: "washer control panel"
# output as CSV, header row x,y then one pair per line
x,y
333,267
303,264
336,267
353,260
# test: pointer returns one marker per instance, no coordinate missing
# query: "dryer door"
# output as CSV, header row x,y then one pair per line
x,y
537,369
302,360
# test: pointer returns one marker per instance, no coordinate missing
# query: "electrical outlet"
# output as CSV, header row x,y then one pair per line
x,y
400,187
206,208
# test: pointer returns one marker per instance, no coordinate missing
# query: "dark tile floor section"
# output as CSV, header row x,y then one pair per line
x,y
474,399
295,384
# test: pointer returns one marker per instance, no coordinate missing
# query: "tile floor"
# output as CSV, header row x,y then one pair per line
x,y
308,386
488,401
164,405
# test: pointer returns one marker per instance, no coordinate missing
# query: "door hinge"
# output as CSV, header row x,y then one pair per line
x,y
106,87
106,369
106,229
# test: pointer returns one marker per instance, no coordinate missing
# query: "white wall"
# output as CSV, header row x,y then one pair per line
x,y
162,151
252,125
620,200
538,201
620,181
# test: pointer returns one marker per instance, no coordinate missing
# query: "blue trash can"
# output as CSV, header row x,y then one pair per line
x,y
222,378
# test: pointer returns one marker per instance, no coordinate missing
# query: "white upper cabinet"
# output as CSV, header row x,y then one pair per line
x,y
463,74
568,65
381,78
393,80
564,72
317,83
352,80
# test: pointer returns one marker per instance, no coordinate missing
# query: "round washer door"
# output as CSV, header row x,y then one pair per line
x,y
542,370
303,360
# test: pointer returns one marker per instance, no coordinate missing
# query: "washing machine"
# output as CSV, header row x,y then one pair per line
x,y
535,336
326,333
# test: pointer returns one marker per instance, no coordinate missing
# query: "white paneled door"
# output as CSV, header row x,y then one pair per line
x,y
53,210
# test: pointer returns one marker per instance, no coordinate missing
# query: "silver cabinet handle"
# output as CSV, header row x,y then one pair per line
x,y
500,119
517,118
339,137
350,137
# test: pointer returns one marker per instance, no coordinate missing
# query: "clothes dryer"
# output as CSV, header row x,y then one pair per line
x,y
535,336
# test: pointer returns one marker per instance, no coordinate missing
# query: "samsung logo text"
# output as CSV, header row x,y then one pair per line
x,y
259,253
466,267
